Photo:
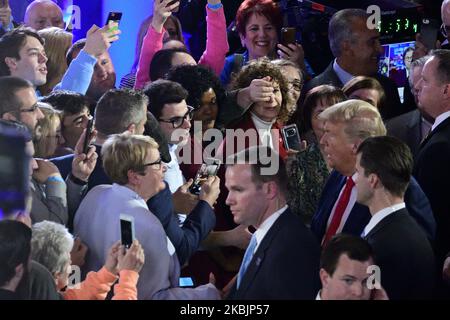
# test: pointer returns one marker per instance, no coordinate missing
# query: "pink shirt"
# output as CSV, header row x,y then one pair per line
x,y
213,56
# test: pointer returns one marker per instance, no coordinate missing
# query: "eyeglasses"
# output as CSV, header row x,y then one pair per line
x,y
155,165
445,30
32,109
178,121
295,85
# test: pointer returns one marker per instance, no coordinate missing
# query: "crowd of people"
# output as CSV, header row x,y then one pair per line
x,y
359,211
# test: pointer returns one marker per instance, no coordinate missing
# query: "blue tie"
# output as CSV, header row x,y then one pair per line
x,y
247,258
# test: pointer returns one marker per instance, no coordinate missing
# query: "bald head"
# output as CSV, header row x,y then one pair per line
x,y
41,14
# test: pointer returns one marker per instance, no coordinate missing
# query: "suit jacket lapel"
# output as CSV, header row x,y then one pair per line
x,y
387,220
440,127
258,257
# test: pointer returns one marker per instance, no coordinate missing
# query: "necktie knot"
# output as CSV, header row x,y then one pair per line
x,y
350,183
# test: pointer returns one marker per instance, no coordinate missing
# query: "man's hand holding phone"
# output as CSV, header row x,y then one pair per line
x,y
210,190
183,200
98,40
162,10
84,161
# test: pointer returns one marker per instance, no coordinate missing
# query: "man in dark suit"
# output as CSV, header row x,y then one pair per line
x,y
414,126
357,49
282,259
432,162
347,124
404,255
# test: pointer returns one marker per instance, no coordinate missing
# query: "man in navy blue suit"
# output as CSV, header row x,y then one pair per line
x,y
347,124
282,259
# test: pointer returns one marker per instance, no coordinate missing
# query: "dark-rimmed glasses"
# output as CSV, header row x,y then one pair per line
x,y
155,165
178,121
32,109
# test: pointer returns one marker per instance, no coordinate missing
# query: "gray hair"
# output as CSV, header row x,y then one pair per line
x,y
418,63
51,244
117,109
340,28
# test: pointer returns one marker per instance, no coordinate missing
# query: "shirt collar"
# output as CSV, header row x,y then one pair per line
x,y
343,75
380,215
439,119
261,232
318,295
126,192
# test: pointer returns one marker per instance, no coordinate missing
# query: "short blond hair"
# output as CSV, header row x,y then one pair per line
x,y
123,152
361,119
48,126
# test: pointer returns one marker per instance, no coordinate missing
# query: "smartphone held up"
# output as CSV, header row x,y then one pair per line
x,y
208,169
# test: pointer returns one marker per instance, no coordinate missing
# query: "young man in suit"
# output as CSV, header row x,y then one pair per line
x,y
431,167
347,124
404,255
282,259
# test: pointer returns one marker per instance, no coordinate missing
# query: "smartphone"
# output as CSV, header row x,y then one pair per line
x,y
127,230
88,136
186,282
429,31
288,36
114,16
291,138
209,168
171,3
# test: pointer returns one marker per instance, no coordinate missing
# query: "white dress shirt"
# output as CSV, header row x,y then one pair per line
x,y
264,130
261,232
343,75
439,119
173,176
380,215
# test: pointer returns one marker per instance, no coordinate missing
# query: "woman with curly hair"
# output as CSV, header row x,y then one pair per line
x,y
263,117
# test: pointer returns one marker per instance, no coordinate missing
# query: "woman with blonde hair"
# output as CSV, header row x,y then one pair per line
x,y
50,132
57,43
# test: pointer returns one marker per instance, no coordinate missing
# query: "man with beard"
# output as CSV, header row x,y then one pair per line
x,y
19,103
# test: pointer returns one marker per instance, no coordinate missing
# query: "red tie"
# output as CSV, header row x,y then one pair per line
x,y
339,212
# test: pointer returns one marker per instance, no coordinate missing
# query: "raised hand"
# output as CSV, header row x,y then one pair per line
x,y
293,52
210,190
98,40
183,200
161,11
132,259
84,164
